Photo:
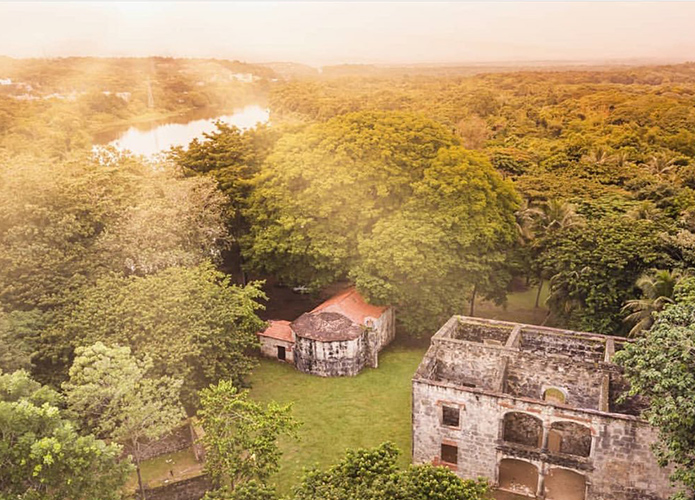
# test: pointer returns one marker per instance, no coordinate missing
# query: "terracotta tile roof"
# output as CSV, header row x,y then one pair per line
x,y
326,327
352,305
278,329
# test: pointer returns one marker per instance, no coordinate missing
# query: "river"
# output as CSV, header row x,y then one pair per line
x,y
159,135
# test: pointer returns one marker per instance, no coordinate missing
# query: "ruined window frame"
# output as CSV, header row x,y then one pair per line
x,y
451,409
453,450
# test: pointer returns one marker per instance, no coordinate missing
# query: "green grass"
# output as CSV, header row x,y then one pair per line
x,y
520,307
341,413
156,472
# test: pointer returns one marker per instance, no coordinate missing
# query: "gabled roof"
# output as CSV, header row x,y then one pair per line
x,y
278,329
351,305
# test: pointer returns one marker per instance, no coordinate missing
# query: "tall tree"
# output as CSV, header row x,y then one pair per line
x,y
240,435
110,394
660,366
389,200
192,322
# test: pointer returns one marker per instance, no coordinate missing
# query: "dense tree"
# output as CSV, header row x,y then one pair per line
x,y
594,269
660,366
44,457
192,322
110,394
391,201
240,435
18,337
64,224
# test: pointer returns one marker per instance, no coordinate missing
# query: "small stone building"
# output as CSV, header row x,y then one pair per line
x,y
339,337
534,409
277,341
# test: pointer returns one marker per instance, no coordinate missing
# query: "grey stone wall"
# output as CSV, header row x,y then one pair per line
x,y
529,375
193,488
331,359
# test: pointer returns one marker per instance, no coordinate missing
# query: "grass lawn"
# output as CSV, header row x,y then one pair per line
x,y
158,471
520,307
341,413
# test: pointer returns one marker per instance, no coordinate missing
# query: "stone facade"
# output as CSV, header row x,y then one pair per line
x,y
338,338
534,409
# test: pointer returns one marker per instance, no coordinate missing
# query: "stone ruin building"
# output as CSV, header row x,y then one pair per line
x,y
534,409
339,337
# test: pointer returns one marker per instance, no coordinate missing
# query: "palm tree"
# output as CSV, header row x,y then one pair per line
x,y
553,216
657,288
661,164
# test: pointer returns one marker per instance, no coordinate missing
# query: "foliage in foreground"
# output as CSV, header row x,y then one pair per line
x,y
660,366
240,435
369,474
110,394
43,455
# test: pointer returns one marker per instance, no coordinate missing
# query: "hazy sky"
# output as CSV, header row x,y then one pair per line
x,y
364,32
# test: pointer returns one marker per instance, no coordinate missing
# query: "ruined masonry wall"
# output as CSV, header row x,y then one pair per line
x,y
475,364
621,465
331,359
529,376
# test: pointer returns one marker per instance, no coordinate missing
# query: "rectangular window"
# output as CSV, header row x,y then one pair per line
x,y
450,416
450,454
281,353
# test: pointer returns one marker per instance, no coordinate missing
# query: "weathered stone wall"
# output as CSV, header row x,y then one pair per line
x,y
480,332
577,348
530,375
269,348
621,465
464,363
331,359
475,437
178,440
193,488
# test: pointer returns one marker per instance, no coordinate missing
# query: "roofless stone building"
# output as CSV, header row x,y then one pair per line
x,y
534,409
339,337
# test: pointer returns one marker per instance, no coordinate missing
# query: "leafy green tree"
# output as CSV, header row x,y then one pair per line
x,y
240,435
110,394
192,323
373,475
389,200
18,335
44,457
65,224
658,288
660,366
594,269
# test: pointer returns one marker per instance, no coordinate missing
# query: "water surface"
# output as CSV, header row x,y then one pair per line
x,y
156,136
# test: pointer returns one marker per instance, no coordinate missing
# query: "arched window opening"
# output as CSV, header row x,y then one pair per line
x,y
522,428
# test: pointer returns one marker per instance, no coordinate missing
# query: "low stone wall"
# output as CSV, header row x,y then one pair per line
x,y
180,438
193,488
